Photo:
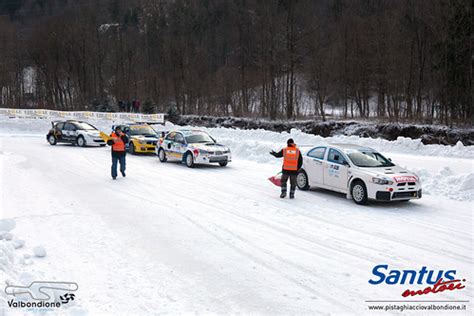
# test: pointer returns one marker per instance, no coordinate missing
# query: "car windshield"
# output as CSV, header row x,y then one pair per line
x,y
369,159
142,130
84,126
199,138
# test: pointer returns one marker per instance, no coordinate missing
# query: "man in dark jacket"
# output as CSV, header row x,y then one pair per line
x,y
292,162
118,141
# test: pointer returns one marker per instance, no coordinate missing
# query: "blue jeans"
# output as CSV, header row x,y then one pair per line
x,y
115,160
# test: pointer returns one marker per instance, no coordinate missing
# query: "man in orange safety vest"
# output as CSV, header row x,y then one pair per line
x,y
118,141
292,162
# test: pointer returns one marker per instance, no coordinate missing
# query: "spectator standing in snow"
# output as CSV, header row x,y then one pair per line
x,y
292,162
117,140
137,105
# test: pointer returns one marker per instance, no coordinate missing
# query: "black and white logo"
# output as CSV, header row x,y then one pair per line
x,y
41,294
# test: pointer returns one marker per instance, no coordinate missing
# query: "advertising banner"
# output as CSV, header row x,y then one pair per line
x,y
82,115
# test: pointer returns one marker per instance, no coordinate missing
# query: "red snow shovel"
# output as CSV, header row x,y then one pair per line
x,y
276,179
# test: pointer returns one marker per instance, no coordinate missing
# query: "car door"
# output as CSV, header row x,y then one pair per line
x,y
69,132
179,145
58,131
168,145
335,170
314,165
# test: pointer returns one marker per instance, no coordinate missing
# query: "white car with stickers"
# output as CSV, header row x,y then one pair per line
x,y
74,132
361,173
192,147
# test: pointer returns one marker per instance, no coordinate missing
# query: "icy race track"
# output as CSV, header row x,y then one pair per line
x,y
168,239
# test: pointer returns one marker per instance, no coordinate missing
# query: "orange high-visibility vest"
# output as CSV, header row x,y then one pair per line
x,y
118,145
290,158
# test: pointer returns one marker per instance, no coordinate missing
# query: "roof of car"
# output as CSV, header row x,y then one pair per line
x,y
351,146
187,131
69,121
133,124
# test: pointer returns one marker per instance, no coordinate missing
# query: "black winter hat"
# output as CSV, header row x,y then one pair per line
x,y
290,141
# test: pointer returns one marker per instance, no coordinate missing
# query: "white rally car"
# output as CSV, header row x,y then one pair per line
x,y
74,132
361,173
192,147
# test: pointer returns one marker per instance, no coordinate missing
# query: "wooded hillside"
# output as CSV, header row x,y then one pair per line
x,y
403,60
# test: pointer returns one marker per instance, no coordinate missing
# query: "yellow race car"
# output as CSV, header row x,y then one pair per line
x,y
142,137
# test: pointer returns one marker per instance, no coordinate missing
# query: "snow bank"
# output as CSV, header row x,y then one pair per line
x,y
429,134
15,269
446,183
255,144
13,264
9,260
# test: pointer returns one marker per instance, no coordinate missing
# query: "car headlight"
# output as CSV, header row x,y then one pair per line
x,y
382,181
141,141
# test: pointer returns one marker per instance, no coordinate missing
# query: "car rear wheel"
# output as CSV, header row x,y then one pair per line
x,y
189,160
162,155
359,192
80,141
302,180
223,163
52,140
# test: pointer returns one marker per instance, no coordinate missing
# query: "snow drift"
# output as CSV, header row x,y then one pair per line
x,y
429,134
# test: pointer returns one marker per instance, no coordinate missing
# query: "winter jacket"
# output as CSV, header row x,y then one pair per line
x,y
110,142
280,154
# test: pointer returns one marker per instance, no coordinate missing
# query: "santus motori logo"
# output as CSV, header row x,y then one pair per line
x,y
418,282
41,294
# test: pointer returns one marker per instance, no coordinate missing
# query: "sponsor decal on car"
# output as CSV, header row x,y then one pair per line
x,y
334,171
399,179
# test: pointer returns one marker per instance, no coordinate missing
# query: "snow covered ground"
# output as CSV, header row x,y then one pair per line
x,y
168,239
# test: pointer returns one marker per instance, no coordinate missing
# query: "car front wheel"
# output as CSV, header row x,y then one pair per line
x,y
189,160
162,155
223,163
52,140
359,192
